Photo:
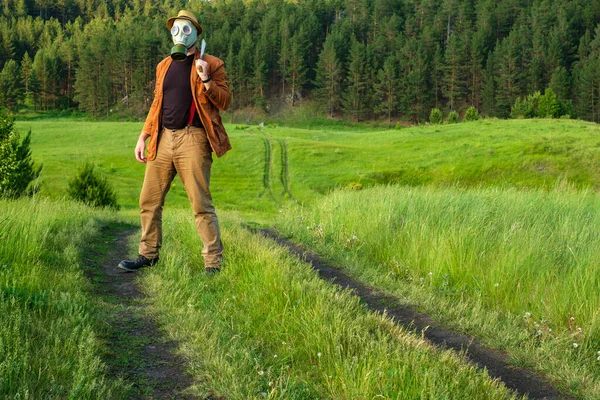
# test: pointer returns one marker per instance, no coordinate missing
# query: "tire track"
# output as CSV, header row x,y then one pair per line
x,y
138,352
523,381
268,167
285,172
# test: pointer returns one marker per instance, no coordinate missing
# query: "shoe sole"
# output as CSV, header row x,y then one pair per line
x,y
127,269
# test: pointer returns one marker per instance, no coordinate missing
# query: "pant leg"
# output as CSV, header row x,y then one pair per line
x,y
193,160
157,181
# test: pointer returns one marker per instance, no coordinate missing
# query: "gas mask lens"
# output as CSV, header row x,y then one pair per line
x,y
174,30
187,30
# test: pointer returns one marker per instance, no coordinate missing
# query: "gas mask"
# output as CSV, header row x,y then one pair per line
x,y
184,35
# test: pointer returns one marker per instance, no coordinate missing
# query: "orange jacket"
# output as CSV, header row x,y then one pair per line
x,y
208,103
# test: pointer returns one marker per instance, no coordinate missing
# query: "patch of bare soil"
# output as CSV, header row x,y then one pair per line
x,y
139,353
522,381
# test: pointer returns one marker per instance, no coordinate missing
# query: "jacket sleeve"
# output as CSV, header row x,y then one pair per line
x,y
148,128
218,91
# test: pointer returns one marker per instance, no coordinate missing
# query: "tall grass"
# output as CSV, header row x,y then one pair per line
x,y
267,327
48,345
519,268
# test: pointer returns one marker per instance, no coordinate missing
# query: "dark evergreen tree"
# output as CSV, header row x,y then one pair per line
x,y
488,92
413,78
354,100
329,77
295,74
17,169
560,82
386,89
11,85
455,72
509,75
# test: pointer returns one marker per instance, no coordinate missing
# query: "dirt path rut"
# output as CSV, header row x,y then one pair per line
x,y
522,381
139,353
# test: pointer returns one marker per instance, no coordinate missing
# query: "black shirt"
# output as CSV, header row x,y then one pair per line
x,y
177,95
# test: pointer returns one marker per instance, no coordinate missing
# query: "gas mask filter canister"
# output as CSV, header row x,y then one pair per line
x,y
184,36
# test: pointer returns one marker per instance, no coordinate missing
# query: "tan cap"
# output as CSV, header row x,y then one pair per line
x,y
183,14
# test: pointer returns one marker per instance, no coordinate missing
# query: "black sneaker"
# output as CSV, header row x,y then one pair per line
x,y
212,270
134,265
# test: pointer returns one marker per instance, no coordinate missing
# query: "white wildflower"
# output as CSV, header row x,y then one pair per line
x,y
575,345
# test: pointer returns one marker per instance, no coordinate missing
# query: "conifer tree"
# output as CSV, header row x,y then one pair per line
x,y
560,82
488,92
296,71
456,65
413,93
386,89
509,75
329,77
354,100
261,72
11,85
437,75
17,170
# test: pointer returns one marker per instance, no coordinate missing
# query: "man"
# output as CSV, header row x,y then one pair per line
x,y
184,128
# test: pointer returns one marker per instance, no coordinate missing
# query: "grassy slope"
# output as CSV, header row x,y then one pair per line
x,y
265,327
519,153
49,345
516,268
268,327
541,153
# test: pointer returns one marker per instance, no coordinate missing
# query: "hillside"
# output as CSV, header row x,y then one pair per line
x,y
270,166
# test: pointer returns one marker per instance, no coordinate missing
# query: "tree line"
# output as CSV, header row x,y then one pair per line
x,y
392,59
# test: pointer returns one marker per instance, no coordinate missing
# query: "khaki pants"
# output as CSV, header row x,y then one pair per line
x,y
185,152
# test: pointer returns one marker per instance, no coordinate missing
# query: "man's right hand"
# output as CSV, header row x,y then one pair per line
x,y
140,148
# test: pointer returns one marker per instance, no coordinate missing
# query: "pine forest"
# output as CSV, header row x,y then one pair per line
x,y
355,59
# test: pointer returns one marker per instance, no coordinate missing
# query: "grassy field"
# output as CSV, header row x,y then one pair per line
x,y
519,269
488,226
268,327
49,319
273,166
265,327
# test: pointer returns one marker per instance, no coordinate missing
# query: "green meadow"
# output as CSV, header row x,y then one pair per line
x,y
488,226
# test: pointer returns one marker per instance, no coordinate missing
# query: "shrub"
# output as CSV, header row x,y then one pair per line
x,y
91,189
435,117
452,117
566,109
549,106
17,170
471,115
526,107
398,126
